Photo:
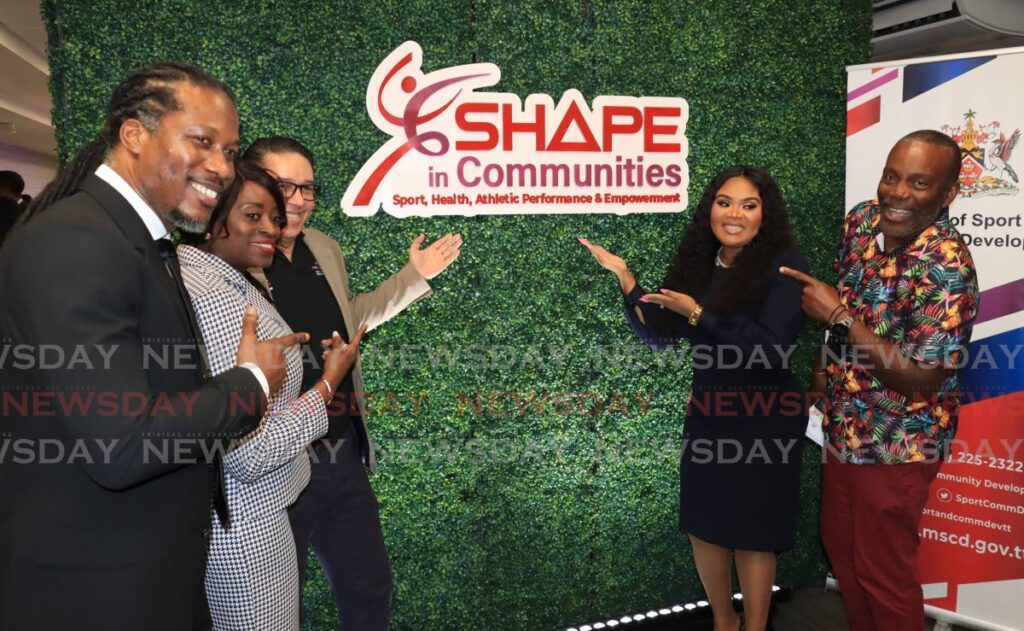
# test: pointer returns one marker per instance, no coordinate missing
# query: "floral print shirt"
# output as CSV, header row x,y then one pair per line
x,y
921,297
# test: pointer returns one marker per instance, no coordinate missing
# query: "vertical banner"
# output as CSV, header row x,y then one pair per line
x,y
972,532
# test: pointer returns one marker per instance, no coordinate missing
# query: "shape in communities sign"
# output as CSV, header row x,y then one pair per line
x,y
455,151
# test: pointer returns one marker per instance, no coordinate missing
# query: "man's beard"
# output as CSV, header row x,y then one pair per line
x,y
187,224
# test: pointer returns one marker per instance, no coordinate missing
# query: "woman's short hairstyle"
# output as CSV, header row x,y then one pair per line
x,y
245,171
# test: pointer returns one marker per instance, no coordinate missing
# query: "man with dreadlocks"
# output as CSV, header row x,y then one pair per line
x,y
106,505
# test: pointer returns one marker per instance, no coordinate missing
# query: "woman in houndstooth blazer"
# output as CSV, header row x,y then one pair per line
x,y
251,577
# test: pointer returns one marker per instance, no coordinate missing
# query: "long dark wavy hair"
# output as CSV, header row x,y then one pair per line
x,y
746,281
146,95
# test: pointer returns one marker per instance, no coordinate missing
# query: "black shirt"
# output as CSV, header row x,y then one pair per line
x,y
305,300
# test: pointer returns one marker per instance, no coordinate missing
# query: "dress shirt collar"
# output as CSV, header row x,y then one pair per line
x,y
191,256
149,217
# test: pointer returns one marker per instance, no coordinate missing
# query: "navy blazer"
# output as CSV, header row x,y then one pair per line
x,y
114,534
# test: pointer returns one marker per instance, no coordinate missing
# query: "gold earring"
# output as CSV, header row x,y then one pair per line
x,y
207,236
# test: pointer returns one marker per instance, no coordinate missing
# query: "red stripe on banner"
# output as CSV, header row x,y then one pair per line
x,y
972,524
370,187
863,116
856,93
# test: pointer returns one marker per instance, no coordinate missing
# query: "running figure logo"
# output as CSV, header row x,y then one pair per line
x,y
399,85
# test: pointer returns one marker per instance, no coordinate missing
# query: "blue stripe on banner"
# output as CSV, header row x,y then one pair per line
x,y
919,78
994,367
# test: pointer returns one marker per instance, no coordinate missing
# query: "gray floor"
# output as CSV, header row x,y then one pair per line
x,y
807,609
814,609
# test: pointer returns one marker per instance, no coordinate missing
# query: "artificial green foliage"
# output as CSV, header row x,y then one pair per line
x,y
503,512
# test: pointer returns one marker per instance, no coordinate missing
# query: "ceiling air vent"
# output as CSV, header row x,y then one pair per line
x,y
913,28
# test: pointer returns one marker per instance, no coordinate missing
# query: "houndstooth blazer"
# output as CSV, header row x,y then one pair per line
x,y
372,308
268,468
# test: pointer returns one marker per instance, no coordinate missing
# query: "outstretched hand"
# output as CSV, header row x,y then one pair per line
x,y
819,301
682,304
436,257
604,258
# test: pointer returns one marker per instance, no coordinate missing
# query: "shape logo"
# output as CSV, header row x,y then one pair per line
x,y
455,151
987,154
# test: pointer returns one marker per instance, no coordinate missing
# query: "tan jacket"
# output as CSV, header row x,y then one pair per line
x,y
372,308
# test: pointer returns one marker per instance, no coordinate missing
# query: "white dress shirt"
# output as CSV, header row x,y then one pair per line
x,y
158,230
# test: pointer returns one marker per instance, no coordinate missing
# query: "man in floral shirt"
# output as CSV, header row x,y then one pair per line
x,y
899,324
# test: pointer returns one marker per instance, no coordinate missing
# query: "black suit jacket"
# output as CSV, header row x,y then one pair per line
x,y
105,484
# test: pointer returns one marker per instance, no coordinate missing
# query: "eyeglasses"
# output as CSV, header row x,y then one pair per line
x,y
308,191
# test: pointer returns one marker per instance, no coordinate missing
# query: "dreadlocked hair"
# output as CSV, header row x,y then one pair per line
x,y
146,95
746,282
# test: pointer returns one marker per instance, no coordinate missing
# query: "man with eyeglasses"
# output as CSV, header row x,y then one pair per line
x,y
338,513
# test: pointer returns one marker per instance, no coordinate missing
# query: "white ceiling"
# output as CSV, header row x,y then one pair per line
x,y
24,95
25,98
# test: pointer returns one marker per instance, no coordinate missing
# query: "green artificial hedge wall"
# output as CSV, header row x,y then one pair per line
x,y
496,517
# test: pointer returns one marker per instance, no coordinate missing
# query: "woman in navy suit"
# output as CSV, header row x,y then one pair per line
x,y
252,582
740,464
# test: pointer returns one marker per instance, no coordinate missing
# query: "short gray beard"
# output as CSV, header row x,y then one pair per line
x,y
186,224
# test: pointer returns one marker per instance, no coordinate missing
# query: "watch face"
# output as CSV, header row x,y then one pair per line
x,y
839,330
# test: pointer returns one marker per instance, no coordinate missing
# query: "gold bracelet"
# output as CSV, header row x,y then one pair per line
x,y
695,315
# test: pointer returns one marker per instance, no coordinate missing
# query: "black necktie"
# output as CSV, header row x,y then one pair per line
x,y
170,257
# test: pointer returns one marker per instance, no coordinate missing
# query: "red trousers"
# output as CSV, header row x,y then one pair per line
x,y
869,524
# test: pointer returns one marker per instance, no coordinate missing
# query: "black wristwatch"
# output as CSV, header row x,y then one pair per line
x,y
840,329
